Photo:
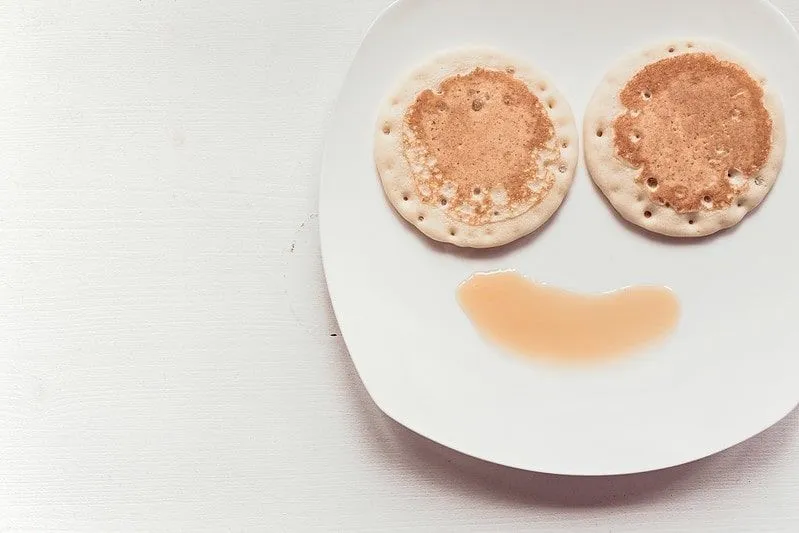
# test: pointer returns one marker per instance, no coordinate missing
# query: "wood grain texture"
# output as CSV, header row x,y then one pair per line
x,y
168,358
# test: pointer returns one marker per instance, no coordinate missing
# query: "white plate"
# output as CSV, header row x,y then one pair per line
x,y
731,369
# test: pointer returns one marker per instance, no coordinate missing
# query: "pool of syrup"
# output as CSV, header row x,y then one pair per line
x,y
536,319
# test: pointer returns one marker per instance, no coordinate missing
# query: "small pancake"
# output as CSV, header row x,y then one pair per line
x,y
684,139
475,148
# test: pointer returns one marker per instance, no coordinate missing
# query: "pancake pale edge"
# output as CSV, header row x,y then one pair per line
x,y
720,175
480,188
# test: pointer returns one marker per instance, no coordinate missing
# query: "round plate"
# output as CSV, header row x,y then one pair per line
x,y
728,372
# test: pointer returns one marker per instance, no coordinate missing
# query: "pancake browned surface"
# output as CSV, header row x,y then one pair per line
x,y
684,139
476,148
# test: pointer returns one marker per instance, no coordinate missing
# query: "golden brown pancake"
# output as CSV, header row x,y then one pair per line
x,y
481,128
476,149
688,143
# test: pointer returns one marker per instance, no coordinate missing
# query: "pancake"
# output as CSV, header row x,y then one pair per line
x,y
475,148
684,139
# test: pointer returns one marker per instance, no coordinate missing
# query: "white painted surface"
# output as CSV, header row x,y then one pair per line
x,y
165,352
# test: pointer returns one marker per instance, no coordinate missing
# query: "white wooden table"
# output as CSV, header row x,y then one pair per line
x,y
168,356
